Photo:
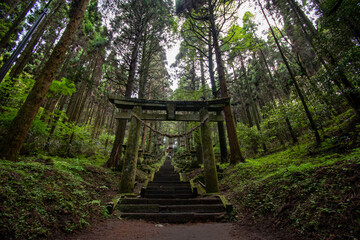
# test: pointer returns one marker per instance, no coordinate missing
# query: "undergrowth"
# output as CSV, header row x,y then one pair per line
x,y
43,196
318,196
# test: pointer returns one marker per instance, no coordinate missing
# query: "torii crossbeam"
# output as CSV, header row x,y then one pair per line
x,y
171,107
199,113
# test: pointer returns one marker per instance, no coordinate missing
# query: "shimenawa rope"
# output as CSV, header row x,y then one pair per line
x,y
170,135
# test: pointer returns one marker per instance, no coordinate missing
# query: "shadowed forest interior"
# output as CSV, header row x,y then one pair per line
x,y
253,102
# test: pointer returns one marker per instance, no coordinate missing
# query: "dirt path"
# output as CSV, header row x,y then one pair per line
x,y
114,229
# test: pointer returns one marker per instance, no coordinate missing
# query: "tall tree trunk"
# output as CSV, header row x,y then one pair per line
x,y
145,64
108,129
298,90
98,119
115,156
54,121
220,125
350,93
21,124
292,133
15,26
235,151
203,81
76,101
25,56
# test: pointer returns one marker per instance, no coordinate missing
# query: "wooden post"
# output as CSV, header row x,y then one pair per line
x,y
130,159
211,178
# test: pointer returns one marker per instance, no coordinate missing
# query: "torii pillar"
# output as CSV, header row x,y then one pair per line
x,y
128,174
211,178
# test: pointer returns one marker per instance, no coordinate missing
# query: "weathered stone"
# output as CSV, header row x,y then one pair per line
x,y
130,159
211,178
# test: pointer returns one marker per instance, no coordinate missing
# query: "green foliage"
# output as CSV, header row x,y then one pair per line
x,y
314,195
181,93
63,87
76,139
43,196
241,39
4,25
18,88
36,137
250,138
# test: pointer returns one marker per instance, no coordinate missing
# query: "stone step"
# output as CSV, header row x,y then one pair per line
x,y
165,183
175,217
168,187
189,201
167,191
167,167
166,199
157,208
138,208
173,176
166,175
168,195
198,208
164,180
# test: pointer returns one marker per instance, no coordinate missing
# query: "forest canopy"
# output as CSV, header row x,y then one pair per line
x,y
290,68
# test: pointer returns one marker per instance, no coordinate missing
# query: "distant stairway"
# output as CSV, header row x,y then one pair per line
x,y
167,199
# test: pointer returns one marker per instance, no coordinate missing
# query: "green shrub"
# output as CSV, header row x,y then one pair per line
x,y
250,138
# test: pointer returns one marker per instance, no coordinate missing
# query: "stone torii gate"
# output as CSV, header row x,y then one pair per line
x,y
200,113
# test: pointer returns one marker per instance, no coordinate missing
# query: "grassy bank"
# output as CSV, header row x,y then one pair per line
x,y
41,197
317,196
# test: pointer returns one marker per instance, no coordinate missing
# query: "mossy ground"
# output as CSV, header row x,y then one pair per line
x,y
311,190
318,196
42,197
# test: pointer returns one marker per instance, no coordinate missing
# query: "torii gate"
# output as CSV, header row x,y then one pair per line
x,y
200,114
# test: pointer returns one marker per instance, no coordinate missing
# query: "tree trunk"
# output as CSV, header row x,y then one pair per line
x,y
302,99
115,156
108,128
235,151
21,124
203,81
350,93
221,129
98,119
292,133
15,26
25,56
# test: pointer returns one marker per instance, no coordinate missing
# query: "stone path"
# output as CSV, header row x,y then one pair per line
x,y
169,200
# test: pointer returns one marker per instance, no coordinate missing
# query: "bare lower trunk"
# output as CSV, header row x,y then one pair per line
x,y
221,129
26,115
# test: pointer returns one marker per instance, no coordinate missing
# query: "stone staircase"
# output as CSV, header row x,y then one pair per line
x,y
167,199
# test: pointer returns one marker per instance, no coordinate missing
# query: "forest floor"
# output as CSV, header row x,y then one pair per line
x,y
296,192
114,228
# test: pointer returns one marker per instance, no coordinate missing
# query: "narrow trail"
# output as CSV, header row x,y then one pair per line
x,y
115,229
